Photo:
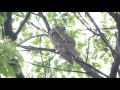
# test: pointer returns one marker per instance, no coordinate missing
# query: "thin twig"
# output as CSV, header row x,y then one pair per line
x,y
56,68
84,20
37,27
32,37
85,25
81,20
45,21
97,29
45,71
88,47
34,25
101,34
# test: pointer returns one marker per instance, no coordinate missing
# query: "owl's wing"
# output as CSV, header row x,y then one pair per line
x,y
56,40
64,44
69,43
66,38
63,41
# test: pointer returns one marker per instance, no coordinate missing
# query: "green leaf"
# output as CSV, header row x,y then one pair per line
x,y
51,16
71,22
80,75
56,62
2,17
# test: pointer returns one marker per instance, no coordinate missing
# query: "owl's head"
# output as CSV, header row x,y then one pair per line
x,y
59,27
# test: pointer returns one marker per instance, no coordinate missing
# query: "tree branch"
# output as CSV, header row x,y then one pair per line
x,y
116,63
88,47
82,63
38,27
101,34
85,65
97,29
86,25
114,16
8,26
23,23
30,48
8,32
31,38
56,68
45,21
89,68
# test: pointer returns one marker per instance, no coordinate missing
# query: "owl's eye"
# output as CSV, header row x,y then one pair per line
x,y
60,28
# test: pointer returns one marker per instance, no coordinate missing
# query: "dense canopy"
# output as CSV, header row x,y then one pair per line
x,y
26,50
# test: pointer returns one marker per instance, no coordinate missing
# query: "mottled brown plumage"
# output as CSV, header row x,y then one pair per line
x,y
63,43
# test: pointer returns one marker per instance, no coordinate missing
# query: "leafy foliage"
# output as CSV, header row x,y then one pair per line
x,y
2,17
48,64
8,53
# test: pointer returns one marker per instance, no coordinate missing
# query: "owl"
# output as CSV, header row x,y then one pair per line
x,y
63,43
